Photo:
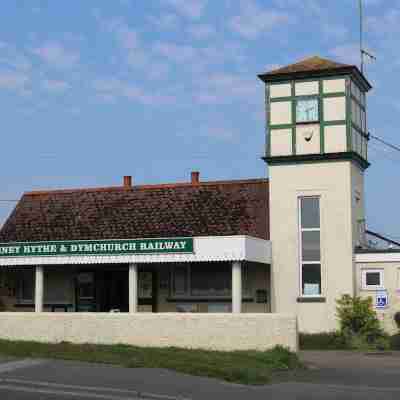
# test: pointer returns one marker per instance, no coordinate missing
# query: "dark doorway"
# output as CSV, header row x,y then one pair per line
x,y
108,290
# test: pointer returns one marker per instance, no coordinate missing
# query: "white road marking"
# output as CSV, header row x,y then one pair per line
x,y
13,365
84,391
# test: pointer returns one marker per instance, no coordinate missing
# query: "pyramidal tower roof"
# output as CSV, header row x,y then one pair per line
x,y
313,67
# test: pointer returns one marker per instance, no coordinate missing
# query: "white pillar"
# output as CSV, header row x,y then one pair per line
x,y
133,288
236,287
38,289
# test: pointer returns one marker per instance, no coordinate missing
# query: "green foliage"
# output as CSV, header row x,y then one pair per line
x,y
246,367
358,318
395,342
397,319
322,341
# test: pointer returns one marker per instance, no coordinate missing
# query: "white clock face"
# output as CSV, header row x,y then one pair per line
x,y
307,110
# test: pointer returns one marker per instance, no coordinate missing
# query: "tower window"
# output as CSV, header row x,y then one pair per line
x,y
310,246
307,109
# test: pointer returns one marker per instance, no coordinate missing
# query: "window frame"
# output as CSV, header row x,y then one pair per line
x,y
20,299
246,289
300,246
373,288
307,98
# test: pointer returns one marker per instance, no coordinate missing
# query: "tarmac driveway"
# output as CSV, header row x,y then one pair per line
x,y
331,375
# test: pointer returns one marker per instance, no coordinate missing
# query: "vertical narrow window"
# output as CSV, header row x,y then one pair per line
x,y
310,246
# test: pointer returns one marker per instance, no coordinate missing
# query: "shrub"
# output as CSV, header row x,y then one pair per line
x,y
397,319
322,341
357,317
359,324
395,342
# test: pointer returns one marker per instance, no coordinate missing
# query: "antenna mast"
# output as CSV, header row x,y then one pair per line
x,y
361,35
363,52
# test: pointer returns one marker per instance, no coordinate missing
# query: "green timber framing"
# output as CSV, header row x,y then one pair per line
x,y
350,125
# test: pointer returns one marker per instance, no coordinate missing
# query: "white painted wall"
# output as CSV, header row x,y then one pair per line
x,y
204,331
391,282
332,181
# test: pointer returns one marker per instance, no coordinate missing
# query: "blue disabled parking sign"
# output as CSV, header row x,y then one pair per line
x,y
382,300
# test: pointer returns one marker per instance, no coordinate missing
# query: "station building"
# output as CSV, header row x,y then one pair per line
x,y
291,244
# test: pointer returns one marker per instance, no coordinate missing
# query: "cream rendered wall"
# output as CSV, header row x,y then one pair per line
x,y
358,201
283,90
281,142
281,112
223,332
335,139
391,282
332,181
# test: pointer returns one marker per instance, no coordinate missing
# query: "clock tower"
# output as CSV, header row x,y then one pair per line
x,y
317,153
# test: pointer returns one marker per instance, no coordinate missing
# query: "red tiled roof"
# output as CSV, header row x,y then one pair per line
x,y
314,66
309,64
168,210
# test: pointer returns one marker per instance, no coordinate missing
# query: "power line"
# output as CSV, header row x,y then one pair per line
x,y
392,146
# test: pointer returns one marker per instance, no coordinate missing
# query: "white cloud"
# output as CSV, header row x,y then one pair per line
x,y
55,86
254,20
12,80
109,89
202,31
57,55
193,9
12,58
226,88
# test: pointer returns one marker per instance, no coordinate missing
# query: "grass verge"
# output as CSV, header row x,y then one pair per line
x,y
245,367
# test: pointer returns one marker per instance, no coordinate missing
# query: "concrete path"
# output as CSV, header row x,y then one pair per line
x,y
331,375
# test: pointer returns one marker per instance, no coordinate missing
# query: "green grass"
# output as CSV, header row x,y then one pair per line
x,y
246,367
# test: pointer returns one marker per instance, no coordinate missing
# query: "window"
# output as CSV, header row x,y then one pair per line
x,y
372,279
85,286
210,280
307,110
310,246
26,285
206,280
180,278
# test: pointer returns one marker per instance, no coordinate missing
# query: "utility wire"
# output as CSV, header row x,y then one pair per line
x,y
392,146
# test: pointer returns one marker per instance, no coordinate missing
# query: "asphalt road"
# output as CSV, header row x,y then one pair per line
x,y
331,375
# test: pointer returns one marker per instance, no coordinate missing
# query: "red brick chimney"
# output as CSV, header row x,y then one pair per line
x,y
127,181
195,177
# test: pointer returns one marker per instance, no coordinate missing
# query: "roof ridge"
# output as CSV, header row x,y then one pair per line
x,y
146,187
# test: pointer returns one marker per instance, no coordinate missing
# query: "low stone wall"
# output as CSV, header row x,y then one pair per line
x,y
204,331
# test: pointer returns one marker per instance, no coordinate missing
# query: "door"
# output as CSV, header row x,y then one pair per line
x,y
85,292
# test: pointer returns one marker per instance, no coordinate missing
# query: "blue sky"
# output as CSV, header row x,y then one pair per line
x,y
94,90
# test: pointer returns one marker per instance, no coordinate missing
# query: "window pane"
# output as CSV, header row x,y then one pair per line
x,y
180,281
27,286
373,279
311,249
86,285
310,212
211,279
311,279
